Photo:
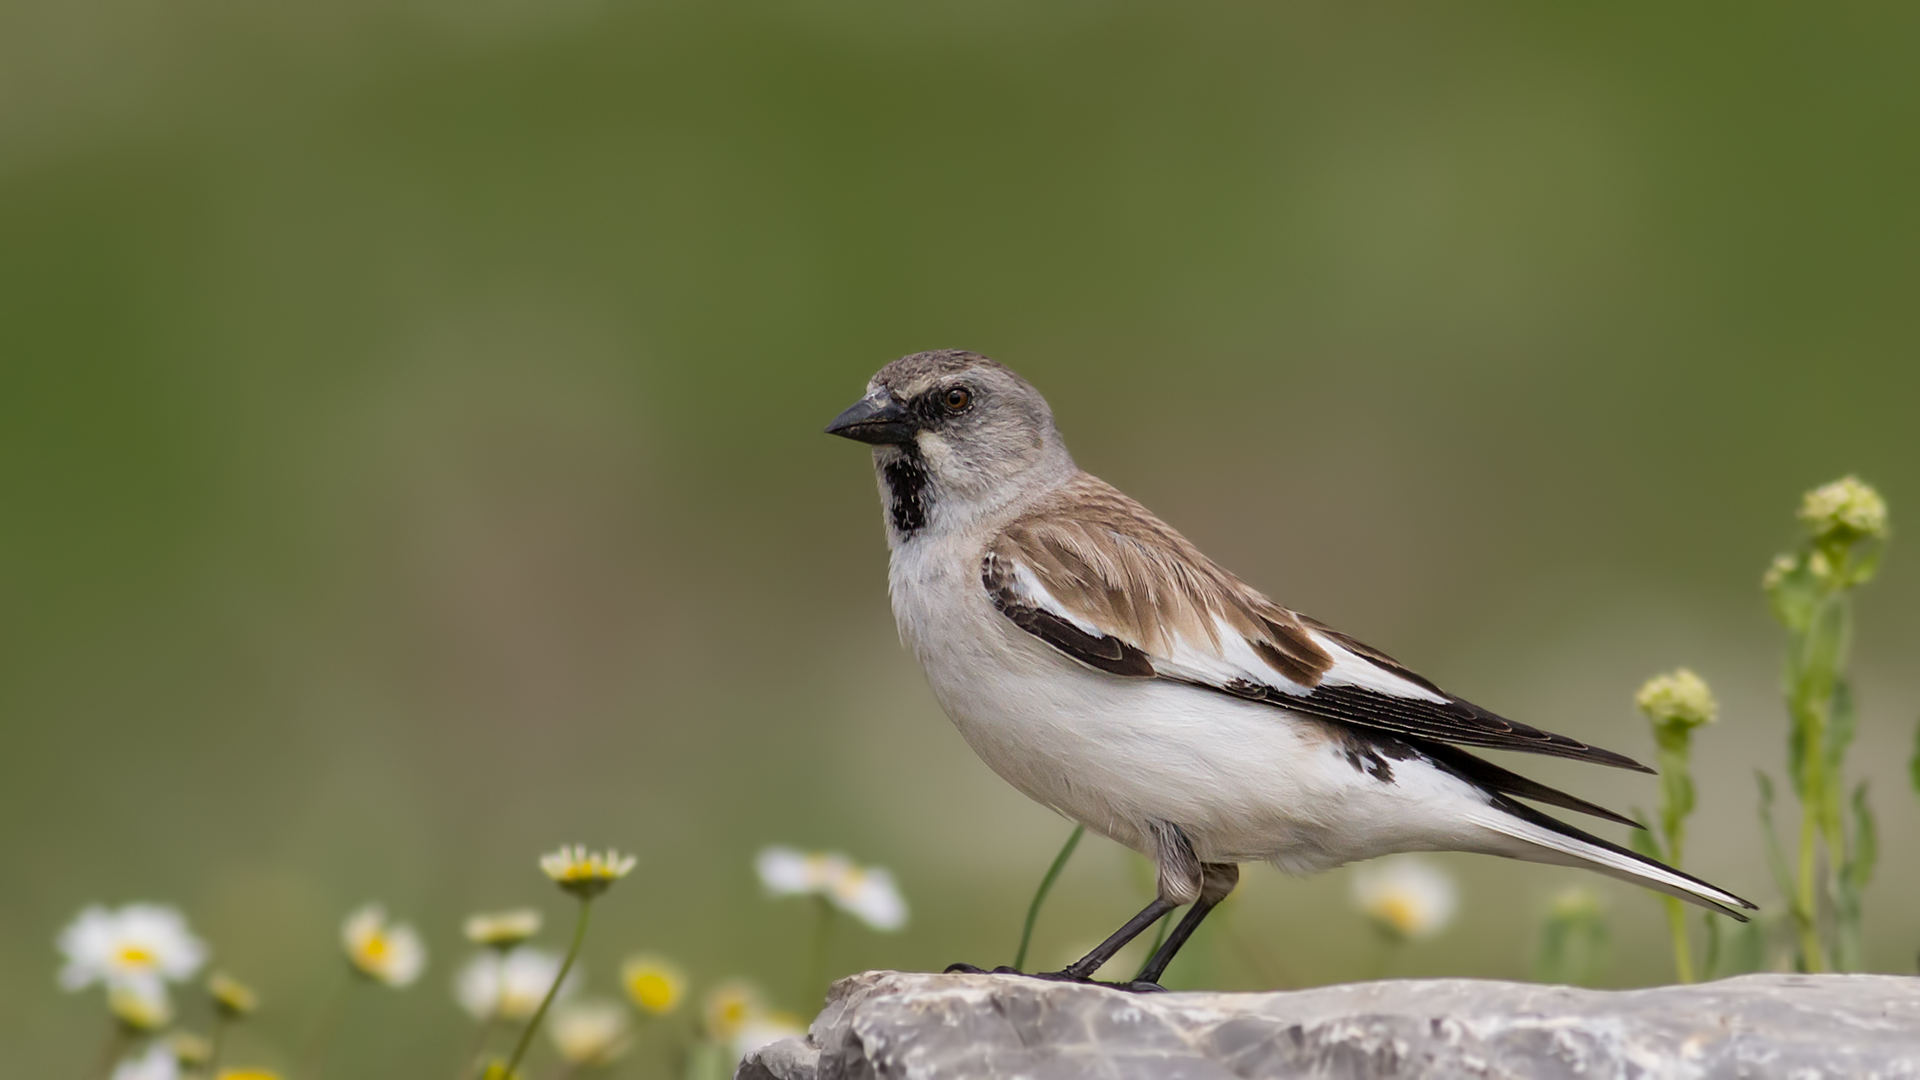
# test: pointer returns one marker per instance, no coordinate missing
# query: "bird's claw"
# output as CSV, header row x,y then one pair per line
x,y
1133,986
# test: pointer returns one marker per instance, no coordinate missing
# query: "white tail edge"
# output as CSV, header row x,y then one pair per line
x,y
1546,840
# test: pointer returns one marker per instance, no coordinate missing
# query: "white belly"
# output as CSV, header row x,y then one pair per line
x,y
1246,781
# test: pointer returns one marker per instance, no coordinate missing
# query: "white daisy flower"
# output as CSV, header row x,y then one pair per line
x,y
654,984
387,951
589,1032
510,985
155,1063
503,929
729,1008
764,1029
1405,896
868,893
735,1015
138,943
787,871
584,873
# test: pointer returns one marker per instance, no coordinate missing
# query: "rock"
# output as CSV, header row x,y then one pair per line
x,y
889,1024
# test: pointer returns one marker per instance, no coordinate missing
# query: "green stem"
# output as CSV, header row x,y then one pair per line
x,y
477,1057
215,1042
705,1063
1682,955
1811,717
1389,948
1270,971
323,1029
115,1044
677,1049
668,1051
817,959
1812,702
1676,914
1805,901
573,953
1040,894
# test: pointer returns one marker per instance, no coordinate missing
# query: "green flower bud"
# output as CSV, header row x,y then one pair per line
x,y
1845,509
1680,700
190,1050
1575,904
231,997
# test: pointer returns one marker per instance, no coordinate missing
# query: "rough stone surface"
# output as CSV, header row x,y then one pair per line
x,y
888,1024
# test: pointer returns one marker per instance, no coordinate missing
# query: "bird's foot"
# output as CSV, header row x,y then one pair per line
x,y
1131,986
972,969
1135,986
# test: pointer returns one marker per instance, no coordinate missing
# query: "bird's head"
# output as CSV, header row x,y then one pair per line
x,y
980,433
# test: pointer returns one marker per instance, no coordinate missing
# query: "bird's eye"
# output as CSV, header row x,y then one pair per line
x,y
956,399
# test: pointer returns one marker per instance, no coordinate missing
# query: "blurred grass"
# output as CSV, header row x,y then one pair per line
x,y
409,433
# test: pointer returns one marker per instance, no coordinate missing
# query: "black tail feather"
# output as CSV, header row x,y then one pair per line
x,y
1484,773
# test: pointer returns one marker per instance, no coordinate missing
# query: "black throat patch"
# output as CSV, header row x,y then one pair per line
x,y
907,496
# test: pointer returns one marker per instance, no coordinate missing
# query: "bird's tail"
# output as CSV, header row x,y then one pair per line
x,y
1549,840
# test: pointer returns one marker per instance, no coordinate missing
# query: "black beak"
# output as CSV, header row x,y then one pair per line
x,y
868,422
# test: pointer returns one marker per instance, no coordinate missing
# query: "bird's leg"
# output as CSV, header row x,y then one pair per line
x,y
1182,880
1220,878
1180,877
1082,970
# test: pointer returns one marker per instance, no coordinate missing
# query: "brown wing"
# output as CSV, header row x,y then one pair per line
x,y
1095,575
1109,567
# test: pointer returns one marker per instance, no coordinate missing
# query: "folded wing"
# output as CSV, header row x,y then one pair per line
x,y
1098,577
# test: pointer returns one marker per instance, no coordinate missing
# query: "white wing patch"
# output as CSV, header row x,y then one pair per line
x,y
1028,588
1231,661
1351,669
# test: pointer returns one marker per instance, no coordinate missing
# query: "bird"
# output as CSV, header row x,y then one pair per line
x,y
1105,667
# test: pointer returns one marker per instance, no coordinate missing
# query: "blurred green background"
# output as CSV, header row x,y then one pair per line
x,y
410,438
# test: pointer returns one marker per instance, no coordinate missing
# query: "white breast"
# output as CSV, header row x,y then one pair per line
x,y
1245,780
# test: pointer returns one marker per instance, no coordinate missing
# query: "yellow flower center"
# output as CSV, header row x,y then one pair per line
x,y
730,1016
848,885
652,990
136,956
374,948
1399,912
